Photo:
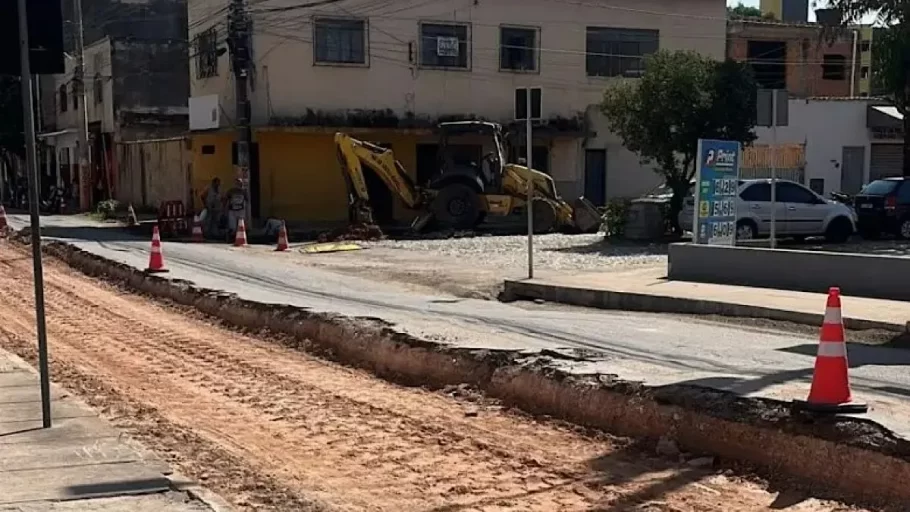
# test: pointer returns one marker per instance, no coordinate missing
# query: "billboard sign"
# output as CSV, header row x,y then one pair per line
x,y
716,186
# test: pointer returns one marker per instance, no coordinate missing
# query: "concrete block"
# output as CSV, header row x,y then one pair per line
x,y
859,275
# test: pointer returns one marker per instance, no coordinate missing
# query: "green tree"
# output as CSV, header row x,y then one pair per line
x,y
743,11
681,97
891,54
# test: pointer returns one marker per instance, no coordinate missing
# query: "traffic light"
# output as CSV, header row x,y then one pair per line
x,y
45,37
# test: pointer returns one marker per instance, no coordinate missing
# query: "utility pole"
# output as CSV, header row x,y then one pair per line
x,y
239,42
28,113
85,186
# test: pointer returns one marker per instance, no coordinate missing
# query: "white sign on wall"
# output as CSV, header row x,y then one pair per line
x,y
204,112
446,46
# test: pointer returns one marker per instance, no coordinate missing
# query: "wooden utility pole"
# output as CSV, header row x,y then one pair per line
x,y
239,43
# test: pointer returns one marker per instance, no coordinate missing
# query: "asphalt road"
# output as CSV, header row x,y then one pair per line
x,y
650,348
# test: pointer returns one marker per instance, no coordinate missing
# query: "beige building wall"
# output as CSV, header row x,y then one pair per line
x,y
97,70
288,83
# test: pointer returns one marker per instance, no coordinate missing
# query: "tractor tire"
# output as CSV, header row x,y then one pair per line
x,y
457,206
544,216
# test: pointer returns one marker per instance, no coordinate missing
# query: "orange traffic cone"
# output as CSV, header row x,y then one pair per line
x,y
830,391
197,229
282,238
3,223
156,259
240,237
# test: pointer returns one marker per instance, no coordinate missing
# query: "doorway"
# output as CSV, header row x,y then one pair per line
x,y
596,176
852,169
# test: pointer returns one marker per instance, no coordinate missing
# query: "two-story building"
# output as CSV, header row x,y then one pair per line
x,y
389,71
135,88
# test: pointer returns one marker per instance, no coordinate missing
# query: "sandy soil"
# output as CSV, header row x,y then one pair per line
x,y
271,428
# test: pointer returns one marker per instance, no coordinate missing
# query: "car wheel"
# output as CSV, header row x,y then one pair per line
x,y
839,230
746,230
903,230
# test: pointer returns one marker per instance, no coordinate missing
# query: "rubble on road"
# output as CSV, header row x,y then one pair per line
x,y
364,232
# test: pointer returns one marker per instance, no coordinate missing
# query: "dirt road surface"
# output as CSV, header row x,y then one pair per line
x,y
271,428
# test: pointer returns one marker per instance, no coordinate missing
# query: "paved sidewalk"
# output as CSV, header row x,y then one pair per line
x,y
647,289
80,463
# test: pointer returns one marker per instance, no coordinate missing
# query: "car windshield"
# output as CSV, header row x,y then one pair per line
x,y
879,188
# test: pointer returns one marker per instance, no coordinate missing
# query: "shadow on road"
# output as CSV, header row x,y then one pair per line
x,y
859,355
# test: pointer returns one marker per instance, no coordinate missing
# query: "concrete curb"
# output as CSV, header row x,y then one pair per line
x,y
629,301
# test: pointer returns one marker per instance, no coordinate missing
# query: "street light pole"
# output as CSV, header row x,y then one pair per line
x,y
32,172
530,207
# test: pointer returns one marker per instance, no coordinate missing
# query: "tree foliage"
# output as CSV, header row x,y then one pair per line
x,y
891,52
745,11
682,97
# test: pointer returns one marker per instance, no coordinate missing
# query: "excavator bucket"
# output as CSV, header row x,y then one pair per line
x,y
586,217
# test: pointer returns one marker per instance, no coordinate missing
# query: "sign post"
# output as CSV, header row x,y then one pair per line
x,y
716,187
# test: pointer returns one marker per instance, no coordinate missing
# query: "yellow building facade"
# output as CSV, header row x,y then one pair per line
x,y
299,174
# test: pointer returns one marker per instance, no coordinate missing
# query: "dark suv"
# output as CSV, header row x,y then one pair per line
x,y
883,206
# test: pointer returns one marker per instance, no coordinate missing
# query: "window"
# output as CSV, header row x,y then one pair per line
x,y
879,188
75,97
64,101
340,41
759,192
903,193
865,45
864,72
618,51
521,103
444,46
834,67
817,185
207,53
518,49
793,193
98,89
208,149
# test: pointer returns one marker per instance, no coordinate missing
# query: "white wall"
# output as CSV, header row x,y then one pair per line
x,y
825,126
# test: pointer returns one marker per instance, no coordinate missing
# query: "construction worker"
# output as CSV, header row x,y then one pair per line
x,y
236,205
212,202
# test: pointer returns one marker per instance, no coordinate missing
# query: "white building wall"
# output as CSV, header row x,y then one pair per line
x,y
288,83
825,126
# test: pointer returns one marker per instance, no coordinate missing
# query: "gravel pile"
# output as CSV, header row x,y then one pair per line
x,y
553,251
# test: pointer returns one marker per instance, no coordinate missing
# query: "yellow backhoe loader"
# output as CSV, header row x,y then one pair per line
x,y
460,194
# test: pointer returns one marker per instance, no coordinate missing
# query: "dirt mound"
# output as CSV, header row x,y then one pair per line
x,y
362,232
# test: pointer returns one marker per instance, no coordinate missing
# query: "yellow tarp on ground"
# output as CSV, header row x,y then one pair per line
x,y
331,247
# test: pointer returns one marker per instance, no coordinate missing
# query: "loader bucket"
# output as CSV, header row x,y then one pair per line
x,y
586,217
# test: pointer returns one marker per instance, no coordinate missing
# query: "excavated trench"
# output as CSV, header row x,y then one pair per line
x,y
845,458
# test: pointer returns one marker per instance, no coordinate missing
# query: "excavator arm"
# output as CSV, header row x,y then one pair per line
x,y
353,156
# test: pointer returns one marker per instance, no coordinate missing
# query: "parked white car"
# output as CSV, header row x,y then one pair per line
x,y
799,212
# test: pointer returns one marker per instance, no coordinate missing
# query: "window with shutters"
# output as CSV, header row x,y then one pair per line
x,y
206,46
518,48
340,41
618,52
445,45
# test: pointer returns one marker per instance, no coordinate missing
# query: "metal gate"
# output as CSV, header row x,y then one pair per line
x,y
886,160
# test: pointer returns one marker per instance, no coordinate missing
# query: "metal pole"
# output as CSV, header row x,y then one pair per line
x,y
528,142
85,185
32,172
774,169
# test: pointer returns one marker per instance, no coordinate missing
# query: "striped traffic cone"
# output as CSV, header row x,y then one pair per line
x,y
3,223
282,238
830,391
240,237
156,258
197,229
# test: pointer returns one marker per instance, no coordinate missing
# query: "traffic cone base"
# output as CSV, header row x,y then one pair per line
x,y
156,259
830,391
282,238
